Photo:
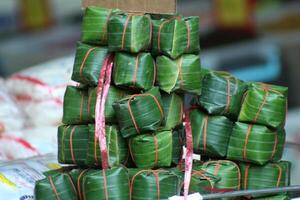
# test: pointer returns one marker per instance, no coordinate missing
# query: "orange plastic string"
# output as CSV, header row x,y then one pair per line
x,y
159,33
180,72
154,72
83,63
131,113
71,144
261,106
105,26
105,184
226,161
130,150
246,176
275,145
124,31
72,184
199,173
246,141
188,34
79,182
155,173
279,175
53,188
217,168
181,111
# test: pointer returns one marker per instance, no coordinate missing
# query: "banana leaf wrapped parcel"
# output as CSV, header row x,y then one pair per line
x,y
152,150
175,36
211,134
56,185
181,75
154,184
75,108
114,95
265,104
255,143
140,113
228,173
129,32
202,182
271,175
110,184
94,25
173,109
221,94
134,71
77,176
72,144
80,104
116,147
88,63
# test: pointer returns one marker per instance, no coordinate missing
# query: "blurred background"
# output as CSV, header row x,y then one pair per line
x,y
256,40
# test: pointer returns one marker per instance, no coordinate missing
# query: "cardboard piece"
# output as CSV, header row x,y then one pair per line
x,y
145,6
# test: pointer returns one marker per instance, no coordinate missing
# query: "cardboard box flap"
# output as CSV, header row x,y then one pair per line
x,y
145,6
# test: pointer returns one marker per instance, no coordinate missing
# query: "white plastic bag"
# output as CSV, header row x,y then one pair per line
x,y
44,81
28,143
17,178
11,117
39,90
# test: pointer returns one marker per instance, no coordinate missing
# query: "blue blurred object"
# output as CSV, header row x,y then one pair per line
x,y
255,61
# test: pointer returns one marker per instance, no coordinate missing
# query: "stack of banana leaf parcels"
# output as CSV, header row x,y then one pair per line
x,y
123,133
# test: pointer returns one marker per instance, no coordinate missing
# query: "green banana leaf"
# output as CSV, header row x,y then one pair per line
x,y
152,150
183,74
178,142
211,134
88,63
278,197
55,186
255,143
109,184
116,147
146,111
129,32
114,94
268,176
72,144
222,93
265,104
202,182
175,36
154,184
75,108
80,104
173,109
77,176
192,22
134,71
94,25
228,173
281,137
